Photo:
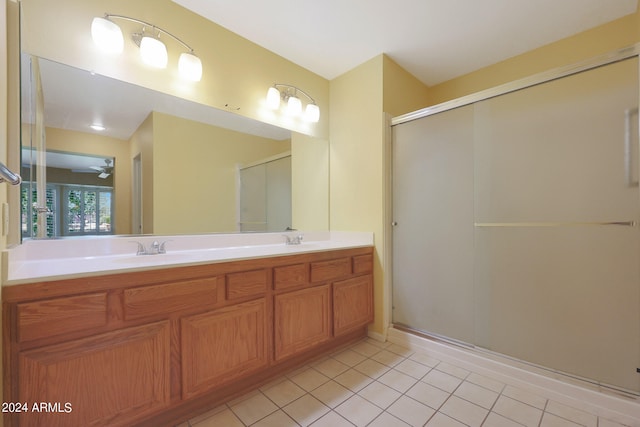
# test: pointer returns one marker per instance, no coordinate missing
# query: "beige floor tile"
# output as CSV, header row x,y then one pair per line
x,y
253,409
306,410
277,419
550,420
379,394
571,414
442,420
208,414
412,368
518,411
428,394
411,411
284,393
464,411
388,358
349,357
402,351
398,380
330,367
450,369
425,359
365,349
524,396
332,419
476,394
358,410
332,393
353,380
371,368
309,379
491,384
495,420
442,380
377,343
387,420
225,418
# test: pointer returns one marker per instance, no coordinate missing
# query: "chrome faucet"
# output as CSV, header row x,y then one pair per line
x,y
155,248
293,240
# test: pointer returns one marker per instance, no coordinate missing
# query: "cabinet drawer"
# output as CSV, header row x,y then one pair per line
x,y
363,264
164,299
70,314
328,270
290,276
247,284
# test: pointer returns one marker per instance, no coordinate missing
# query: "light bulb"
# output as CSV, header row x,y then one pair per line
x,y
107,35
312,113
153,52
294,106
273,98
190,67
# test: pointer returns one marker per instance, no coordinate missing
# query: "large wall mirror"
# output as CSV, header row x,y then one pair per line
x,y
161,165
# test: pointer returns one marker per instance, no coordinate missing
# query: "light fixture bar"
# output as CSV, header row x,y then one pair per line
x,y
276,85
148,24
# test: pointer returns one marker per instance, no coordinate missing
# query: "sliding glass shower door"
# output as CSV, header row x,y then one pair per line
x,y
518,224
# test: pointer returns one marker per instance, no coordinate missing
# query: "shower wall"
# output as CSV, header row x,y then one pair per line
x,y
517,224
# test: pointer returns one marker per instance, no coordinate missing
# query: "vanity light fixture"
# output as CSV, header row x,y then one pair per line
x,y
289,93
108,36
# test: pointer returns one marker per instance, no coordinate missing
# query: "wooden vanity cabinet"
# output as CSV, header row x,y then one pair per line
x,y
157,347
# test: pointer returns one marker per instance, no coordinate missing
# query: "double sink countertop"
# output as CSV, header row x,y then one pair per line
x,y
55,259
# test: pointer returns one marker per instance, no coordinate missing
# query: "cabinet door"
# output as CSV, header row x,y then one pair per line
x,y
302,320
352,304
223,345
109,379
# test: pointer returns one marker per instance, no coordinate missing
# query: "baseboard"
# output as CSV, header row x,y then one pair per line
x,y
620,409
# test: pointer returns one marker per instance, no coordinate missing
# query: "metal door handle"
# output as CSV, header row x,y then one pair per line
x,y
628,162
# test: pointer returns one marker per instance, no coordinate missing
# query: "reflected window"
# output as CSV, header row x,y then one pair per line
x,y
87,211
28,202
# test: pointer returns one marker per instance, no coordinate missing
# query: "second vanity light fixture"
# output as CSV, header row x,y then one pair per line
x,y
289,94
153,52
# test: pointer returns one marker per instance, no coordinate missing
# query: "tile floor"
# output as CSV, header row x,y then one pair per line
x,y
384,385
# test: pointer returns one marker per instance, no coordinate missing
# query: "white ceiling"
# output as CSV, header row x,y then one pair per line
x,y
435,40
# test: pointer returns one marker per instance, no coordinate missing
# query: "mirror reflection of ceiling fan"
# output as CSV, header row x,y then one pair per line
x,y
104,171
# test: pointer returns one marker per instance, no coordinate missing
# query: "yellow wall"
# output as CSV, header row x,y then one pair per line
x,y
194,174
235,71
309,183
617,34
141,144
86,143
356,161
403,93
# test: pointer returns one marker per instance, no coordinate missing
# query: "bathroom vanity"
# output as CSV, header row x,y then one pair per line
x,y
155,344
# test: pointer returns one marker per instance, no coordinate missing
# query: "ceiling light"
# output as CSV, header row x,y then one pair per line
x,y
289,94
294,106
97,127
153,52
312,113
273,98
190,67
108,36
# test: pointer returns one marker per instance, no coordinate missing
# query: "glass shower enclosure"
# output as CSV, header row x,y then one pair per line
x,y
517,221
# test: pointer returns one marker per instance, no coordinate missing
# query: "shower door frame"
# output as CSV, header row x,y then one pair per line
x,y
513,86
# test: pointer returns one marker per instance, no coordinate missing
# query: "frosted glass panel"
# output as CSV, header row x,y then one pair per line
x,y
433,239
279,194
253,198
556,151
562,297
517,224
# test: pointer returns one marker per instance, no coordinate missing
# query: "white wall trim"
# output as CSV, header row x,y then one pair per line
x,y
619,409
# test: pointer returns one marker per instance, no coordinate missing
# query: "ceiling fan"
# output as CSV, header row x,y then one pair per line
x,y
105,171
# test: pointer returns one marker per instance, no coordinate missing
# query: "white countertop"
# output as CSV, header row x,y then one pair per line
x,y
55,259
